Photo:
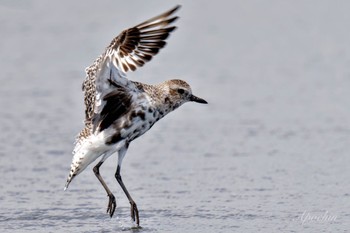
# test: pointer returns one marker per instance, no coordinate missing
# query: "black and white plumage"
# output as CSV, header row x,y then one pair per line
x,y
119,110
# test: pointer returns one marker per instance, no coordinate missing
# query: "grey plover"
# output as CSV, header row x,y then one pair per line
x,y
119,110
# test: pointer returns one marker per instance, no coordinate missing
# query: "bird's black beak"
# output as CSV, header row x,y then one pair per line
x,y
197,99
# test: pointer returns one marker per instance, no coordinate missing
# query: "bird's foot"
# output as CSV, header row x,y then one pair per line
x,y
135,214
111,205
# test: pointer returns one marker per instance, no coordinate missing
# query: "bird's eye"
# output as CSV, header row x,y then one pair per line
x,y
180,91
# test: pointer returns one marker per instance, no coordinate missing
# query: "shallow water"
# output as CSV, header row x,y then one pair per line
x,y
270,153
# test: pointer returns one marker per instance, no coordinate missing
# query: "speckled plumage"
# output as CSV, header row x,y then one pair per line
x,y
119,110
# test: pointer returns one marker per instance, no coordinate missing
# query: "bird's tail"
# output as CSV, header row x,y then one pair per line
x,y
69,179
75,169
83,156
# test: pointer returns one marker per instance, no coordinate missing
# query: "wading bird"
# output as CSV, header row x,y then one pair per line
x,y
119,110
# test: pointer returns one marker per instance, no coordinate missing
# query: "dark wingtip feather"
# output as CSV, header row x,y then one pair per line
x,y
132,67
169,21
175,8
166,14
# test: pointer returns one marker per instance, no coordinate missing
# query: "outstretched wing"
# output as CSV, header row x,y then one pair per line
x,y
132,48
136,46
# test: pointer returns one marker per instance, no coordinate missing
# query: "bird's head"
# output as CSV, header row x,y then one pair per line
x,y
180,92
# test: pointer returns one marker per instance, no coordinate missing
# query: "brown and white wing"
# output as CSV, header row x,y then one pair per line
x,y
132,48
137,45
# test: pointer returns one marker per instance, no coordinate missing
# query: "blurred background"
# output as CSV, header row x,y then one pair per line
x,y
270,153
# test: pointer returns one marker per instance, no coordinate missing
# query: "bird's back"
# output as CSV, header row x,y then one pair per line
x,y
89,89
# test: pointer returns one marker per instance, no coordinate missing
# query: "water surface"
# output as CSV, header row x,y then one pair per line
x,y
271,148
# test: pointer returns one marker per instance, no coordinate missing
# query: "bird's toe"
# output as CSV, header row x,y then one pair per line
x,y
135,213
111,205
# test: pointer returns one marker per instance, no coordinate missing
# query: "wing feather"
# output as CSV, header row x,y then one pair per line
x,y
146,38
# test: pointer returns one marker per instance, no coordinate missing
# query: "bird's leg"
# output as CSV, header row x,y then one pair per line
x,y
111,204
134,210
